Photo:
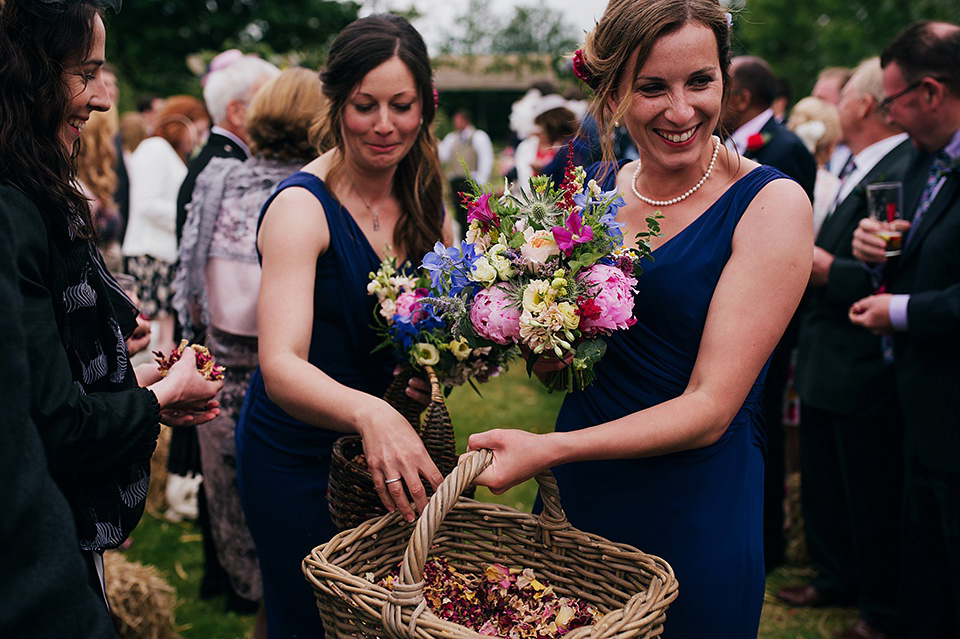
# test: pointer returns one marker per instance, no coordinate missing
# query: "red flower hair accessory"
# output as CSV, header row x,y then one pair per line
x,y
436,98
581,70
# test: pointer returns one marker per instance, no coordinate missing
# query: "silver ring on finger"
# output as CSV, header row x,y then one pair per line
x,y
390,481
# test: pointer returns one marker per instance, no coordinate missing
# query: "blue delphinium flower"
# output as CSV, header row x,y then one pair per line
x,y
404,331
449,266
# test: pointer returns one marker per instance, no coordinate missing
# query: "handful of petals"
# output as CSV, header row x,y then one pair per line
x,y
206,363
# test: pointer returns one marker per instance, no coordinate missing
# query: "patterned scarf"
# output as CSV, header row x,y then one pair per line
x,y
107,504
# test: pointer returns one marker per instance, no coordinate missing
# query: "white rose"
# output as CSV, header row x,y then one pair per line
x,y
483,271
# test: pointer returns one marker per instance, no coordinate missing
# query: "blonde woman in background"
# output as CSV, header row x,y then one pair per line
x,y
217,286
156,170
817,123
98,180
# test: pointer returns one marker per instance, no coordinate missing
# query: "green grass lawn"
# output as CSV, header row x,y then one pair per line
x,y
512,400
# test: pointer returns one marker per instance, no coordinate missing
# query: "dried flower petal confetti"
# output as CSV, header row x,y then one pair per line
x,y
206,362
503,602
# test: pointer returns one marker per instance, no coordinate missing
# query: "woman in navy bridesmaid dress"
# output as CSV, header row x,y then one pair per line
x,y
375,192
665,450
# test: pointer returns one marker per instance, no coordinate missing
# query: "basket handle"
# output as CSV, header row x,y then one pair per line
x,y
408,591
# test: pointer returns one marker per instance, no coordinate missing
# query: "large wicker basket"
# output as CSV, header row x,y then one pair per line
x,y
352,498
632,588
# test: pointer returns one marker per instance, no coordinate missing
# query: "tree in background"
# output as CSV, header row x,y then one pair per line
x,y
801,38
149,41
531,29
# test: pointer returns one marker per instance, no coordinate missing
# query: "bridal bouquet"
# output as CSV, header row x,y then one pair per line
x,y
408,322
545,269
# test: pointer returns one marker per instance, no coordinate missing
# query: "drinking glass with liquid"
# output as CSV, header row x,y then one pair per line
x,y
885,200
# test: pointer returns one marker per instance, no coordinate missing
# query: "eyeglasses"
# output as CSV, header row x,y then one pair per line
x,y
884,104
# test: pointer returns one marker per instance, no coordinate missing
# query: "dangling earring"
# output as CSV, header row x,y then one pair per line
x,y
616,124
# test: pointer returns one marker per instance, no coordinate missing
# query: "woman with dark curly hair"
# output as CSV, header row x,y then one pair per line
x,y
98,425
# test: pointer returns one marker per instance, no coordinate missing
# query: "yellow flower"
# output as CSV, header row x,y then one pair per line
x,y
459,348
568,312
537,296
426,354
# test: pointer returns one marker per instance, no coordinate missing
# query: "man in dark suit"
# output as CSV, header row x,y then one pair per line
x,y
226,92
758,136
921,82
851,441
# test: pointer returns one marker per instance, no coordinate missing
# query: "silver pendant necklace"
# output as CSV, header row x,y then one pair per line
x,y
370,209
681,198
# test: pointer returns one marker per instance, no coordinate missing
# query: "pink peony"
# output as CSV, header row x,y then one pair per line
x,y
493,316
408,304
612,292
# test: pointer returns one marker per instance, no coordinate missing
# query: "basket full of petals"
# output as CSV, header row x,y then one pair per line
x,y
375,580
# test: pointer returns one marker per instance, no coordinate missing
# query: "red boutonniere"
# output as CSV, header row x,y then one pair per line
x,y
756,141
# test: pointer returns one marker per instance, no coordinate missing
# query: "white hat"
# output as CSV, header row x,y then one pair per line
x,y
549,103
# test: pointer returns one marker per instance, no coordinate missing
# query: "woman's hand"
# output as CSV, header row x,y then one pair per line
x,y
518,455
186,397
140,337
546,362
397,459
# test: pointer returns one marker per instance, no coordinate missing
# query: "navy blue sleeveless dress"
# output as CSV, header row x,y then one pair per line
x,y
700,510
283,464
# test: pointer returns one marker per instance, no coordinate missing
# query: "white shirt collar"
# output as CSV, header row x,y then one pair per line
x,y
227,134
865,160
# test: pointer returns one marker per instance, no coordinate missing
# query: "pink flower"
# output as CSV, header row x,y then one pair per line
x,y
479,210
575,233
408,304
612,293
493,316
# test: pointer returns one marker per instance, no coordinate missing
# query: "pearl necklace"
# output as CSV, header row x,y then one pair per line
x,y
636,174
370,209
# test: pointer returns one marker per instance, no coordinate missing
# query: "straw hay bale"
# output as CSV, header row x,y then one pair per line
x,y
141,600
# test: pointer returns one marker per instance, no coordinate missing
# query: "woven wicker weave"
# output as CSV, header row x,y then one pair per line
x,y
352,498
632,588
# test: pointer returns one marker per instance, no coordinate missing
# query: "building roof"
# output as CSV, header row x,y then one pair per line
x,y
507,72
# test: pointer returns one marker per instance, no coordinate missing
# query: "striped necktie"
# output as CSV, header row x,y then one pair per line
x,y
845,172
939,167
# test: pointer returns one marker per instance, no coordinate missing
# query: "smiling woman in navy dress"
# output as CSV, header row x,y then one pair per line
x,y
665,450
